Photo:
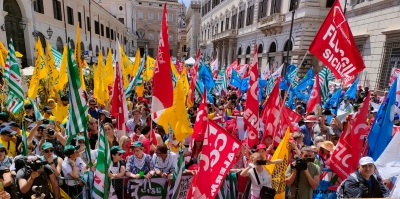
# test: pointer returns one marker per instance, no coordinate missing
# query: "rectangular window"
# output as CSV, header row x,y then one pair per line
x,y
107,32
102,29
159,16
57,10
170,17
70,15
234,18
241,19
226,23
96,28
249,17
89,25
275,6
222,26
151,16
122,20
112,34
390,59
262,6
140,14
38,6
80,19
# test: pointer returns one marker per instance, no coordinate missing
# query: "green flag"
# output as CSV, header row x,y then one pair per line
x,y
325,75
101,184
36,111
15,100
24,140
176,178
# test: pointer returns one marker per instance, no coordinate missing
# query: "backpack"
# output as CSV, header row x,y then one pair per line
x,y
340,191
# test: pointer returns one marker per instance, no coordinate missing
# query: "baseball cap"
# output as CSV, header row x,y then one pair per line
x,y
13,124
47,145
366,160
3,116
28,107
116,149
47,109
69,149
81,138
7,131
261,146
137,144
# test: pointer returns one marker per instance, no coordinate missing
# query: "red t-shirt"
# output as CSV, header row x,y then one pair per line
x,y
146,145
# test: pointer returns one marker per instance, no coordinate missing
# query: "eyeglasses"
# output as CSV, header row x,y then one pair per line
x,y
2,151
49,151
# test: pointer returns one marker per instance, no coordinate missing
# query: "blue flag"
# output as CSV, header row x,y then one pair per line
x,y
206,78
245,84
333,102
306,81
235,79
210,98
287,80
262,83
381,130
352,91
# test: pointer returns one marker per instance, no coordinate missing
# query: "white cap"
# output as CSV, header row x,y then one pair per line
x,y
366,160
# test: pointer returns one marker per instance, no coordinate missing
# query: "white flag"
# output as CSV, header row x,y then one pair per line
x,y
278,72
388,164
214,65
266,72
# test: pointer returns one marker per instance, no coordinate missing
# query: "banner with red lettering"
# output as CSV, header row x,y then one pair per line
x,y
218,152
315,97
344,159
334,45
347,81
271,116
250,114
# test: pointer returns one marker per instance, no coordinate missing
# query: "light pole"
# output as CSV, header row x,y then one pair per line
x,y
293,5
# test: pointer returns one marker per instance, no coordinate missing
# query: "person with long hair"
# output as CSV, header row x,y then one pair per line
x,y
239,160
165,161
197,146
136,133
112,139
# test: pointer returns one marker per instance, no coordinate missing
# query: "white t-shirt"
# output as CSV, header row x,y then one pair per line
x,y
66,168
169,164
265,180
94,154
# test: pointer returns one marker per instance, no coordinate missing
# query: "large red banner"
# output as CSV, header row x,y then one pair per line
x,y
344,159
334,45
315,97
271,116
218,152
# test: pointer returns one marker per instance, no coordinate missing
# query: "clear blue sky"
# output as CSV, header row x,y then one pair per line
x,y
186,2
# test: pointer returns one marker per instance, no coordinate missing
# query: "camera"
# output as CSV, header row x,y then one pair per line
x,y
301,163
50,131
2,171
35,164
45,121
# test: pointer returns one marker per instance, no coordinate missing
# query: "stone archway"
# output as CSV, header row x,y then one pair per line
x,y
13,30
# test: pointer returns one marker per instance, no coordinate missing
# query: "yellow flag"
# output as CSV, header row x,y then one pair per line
x,y
139,90
63,75
100,89
185,81
127,67
78,55
3,50
96,79
174,70
2,63
136,64
183,127
39,72
150,63
109,70
53,72
278,171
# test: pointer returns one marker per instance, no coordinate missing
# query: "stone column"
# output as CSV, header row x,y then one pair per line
x,y
230,49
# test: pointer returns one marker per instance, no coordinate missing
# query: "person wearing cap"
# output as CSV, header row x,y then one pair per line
x,y
105,117
308,179
5,160
117,170
93,111
61,107
50,134
73,167
307,129
165,162
364,183
29,110
326,148
136,120
6,139
53,160
346,105
48,113
262,149
139,164
3,117
82,149
197,148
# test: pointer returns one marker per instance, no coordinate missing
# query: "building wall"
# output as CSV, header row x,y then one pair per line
x,y
151,27
193,18
62,31
182,33
376,28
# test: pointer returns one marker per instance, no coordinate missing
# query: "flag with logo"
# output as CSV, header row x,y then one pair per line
x,y
78,55
39,72
109,70
200,126
57,56
150,63
52,68
15,100
206,78
129,90
183,127
266,72
63,74
162,83
325,75
307,81
334,45
101,187
315,97
119,107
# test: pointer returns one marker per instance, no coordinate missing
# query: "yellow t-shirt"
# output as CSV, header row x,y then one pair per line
x,y
10,147
50,118
60,111
173,148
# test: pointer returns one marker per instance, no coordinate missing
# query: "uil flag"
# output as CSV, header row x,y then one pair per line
x,y
119,108
250,115
163,91
315,97
334,45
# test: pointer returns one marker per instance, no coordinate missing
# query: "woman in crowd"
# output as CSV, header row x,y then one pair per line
x,y
325,150
124,144
53,160
240,161
269,144
160,130
259,176
5,161
164,161
196,150
112,139
117,170
137,132
139,165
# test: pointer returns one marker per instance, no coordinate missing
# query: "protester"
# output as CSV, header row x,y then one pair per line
x,y
112,138
307,129
136,120
117,170
165,162
325,150
364,183
73,168
53,160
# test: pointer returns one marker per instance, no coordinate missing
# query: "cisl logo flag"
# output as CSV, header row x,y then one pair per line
x,y
334,45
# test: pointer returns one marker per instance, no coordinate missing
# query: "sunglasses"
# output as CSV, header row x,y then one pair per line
x,y
2,151
49,151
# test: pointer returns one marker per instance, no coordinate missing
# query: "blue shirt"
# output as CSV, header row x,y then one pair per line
x,y
94,113
307,135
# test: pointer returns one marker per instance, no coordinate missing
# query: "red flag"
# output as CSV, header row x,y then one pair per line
x,y
193,185
193,79
153,137
229,68
200,126
315,97
179,66
350,143
250,114
119,108
163,91
347,81
334,45
270,115
219,148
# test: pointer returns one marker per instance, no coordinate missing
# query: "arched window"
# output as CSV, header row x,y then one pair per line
x,y
72,44
272,47
288,45
90,47
240,51
60,45
260,48
248,50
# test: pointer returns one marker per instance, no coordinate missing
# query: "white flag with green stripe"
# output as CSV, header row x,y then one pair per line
x,y
15,100
24,140
57,57
325,75
6,75
77,114
138,77
101,187
221,83
175,186
36,111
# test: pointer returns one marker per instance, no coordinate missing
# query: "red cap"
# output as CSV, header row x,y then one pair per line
x,y
261,146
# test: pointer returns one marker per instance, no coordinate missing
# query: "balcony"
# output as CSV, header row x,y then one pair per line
x,y
271,25
227,34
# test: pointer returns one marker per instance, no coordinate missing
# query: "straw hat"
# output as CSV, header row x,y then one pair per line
x,y
328,145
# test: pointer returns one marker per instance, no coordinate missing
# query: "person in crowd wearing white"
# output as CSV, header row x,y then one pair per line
x,y
117,170
53,160
346,105
73,167
165,162
131,123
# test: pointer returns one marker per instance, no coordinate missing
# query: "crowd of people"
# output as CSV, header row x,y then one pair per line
x,y
66,167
